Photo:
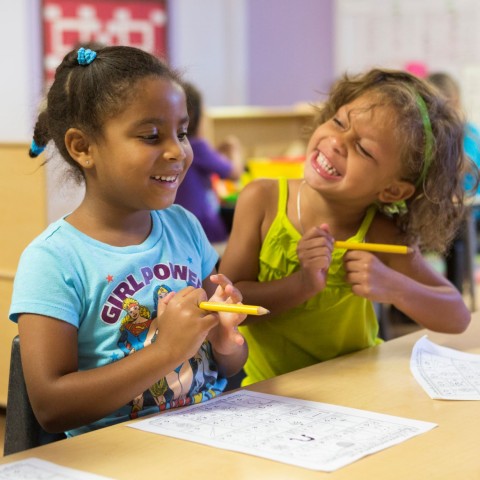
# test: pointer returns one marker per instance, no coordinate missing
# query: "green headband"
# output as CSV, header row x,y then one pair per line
x,y
400,207
429,140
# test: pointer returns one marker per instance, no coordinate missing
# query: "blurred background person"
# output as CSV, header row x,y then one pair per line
x,y
455,260
196,193
450,88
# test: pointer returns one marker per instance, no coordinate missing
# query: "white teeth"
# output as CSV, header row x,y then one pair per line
x,y
170,178
326,166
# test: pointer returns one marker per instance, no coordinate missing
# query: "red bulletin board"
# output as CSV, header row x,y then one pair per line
x,y
66,23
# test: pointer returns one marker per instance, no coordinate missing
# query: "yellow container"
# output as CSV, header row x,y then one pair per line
x,y
265,167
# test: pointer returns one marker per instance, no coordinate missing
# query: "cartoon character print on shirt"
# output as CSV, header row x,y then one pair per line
x,y
179,386
137,330
202,373
186,384
159,292
137,327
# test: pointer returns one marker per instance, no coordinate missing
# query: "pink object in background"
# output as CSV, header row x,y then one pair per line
x,y
419,69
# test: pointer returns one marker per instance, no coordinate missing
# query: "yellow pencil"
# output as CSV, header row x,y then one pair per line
x,y
233,307
374,247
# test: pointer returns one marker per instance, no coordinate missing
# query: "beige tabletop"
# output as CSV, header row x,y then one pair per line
x,y
377,379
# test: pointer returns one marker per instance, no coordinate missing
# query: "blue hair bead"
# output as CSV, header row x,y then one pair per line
x,y
36,149
85,56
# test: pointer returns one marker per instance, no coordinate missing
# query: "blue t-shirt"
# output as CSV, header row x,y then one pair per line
x,y
110,294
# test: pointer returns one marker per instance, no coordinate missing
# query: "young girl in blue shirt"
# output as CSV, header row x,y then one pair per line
x,y
107,298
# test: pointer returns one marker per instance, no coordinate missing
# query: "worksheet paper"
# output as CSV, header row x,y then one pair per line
x,y
36,469
307,434
445,373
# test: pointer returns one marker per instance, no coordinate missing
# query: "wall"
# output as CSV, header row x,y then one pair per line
x,y
290,50
20,82
207,40
421,35
254,52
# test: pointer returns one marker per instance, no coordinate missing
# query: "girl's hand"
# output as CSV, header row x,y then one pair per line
x,y
182,326
314,252
370,277
225,338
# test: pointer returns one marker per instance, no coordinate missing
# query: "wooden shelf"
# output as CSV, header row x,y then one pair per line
x,y
263,131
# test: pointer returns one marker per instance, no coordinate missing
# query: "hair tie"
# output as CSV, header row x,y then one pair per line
x,y
36,149
429,140
85,56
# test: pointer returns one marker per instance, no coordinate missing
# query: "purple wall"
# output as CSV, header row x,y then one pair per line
x,y
290,50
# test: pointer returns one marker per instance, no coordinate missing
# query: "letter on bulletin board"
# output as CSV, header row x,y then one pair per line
x,y
67,23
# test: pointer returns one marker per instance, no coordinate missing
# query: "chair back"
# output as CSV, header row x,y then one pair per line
x,y
22,430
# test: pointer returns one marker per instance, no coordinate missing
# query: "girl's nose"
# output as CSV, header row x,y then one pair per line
x,y
338,145
174,150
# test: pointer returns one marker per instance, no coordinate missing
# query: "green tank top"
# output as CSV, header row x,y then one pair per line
x,y
332,323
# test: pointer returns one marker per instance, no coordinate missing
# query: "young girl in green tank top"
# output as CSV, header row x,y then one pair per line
x,y
384,165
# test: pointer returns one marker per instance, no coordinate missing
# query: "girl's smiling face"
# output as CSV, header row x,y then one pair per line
x,y
355,153
143,153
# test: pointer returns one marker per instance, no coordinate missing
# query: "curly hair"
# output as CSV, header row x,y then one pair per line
x,y
435,210
84,97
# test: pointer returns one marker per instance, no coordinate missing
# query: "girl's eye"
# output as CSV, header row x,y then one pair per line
x,y
363,151
150,137
182,136
149,133
337,122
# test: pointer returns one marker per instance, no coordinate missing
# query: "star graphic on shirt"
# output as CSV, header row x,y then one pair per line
x,y
109,278
189,260
114,356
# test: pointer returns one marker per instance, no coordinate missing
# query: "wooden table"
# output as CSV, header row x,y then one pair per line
x,y
377,379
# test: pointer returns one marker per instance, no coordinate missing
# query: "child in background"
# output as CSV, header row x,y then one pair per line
x,y
449,87
107,297
196,193
384,165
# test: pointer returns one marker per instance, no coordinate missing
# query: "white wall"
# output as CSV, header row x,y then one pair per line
x,y
20,79
207,40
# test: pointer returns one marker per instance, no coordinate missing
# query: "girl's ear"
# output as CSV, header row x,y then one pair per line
x,y
79,147
398,190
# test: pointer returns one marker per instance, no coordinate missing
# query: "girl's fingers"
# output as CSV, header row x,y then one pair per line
x,y
220,279
163,302
226,289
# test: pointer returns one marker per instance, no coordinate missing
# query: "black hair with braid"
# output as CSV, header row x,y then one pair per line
x,y
85,96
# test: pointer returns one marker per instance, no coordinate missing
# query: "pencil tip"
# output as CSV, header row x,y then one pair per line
x,y
263,311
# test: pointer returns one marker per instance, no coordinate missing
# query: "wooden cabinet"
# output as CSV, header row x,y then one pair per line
x,y
271,132
23,213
